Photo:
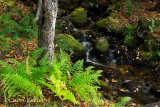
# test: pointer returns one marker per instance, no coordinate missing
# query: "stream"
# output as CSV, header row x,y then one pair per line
x,y
123,71
124,80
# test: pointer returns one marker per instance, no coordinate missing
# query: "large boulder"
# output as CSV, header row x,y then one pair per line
x,y
102,44
110,24
79,17
70,44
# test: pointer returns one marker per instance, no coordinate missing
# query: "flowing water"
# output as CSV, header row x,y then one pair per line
x,y
122,72
124,79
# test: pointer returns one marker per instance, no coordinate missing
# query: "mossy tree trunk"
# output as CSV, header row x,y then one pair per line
x,y
157,7
46,26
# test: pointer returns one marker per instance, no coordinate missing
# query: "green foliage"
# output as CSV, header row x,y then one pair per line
x,y
121,103
131,7
59,24
68,79
128,32
115,8
23,28
65,79
152,27
18,79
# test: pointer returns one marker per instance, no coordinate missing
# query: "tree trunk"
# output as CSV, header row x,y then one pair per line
x,y
157,7
46,27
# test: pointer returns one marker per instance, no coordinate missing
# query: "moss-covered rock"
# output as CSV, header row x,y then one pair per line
x,y
102,23
79,17
102,44
69,43
78,34
130,41
103,85
110,24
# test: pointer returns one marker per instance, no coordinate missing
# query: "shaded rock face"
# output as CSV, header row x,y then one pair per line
x,y
102,44
79,17
152,105
155,90
130,85
95,7
69,5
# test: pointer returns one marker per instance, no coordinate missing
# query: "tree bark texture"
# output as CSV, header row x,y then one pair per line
x,y
46,26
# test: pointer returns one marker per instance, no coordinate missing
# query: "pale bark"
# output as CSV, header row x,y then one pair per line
x,y
38,11
46,30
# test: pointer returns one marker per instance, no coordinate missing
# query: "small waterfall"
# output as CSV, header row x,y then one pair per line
x,y
89,58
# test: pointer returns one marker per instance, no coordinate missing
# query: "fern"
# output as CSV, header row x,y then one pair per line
x,y
83,83
71,79
122,102
18,79
24,28
65,79
152,27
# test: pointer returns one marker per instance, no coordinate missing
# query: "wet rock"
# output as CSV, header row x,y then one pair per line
x,y
102,44
65,25
155,90
130,85
79,17
110,73
157,104
69,43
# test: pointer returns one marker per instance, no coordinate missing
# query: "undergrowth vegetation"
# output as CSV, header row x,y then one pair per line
x,y
68,81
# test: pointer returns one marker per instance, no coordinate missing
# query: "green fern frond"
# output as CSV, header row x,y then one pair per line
x,y
36,54
25,22
44,60
19,83
123,101
18,78
4,17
